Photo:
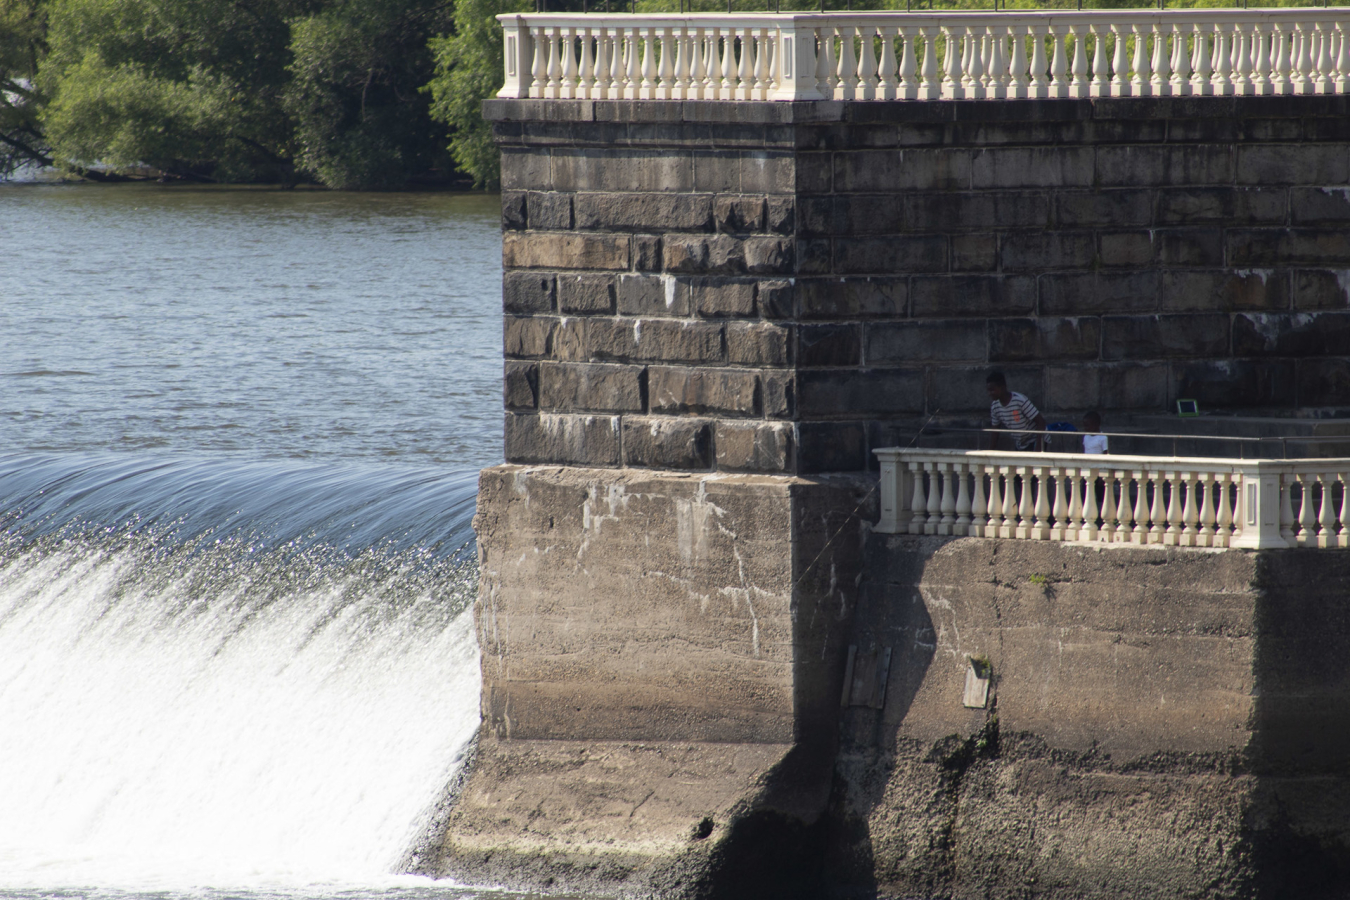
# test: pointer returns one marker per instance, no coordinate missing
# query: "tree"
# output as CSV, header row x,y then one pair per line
x,y
469,71
23,45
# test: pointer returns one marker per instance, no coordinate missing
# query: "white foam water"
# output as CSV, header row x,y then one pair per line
x,y
224,715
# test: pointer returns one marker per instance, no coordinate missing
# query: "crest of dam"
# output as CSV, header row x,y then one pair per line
x,y
228,673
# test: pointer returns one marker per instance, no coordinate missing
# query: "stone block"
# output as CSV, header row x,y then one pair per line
x,y
963,210
513,210
831,393
831,447
898,343
549,211
766,172
674,340
1223,205
852,298
755,446
829,345
530,336
902,253
1115,208
1319,205
1045,250
1323,382
586,294
647,252
1047,338
1224,289
1138,166
1022,167
1075,388
594,340
629,170
738,214
528,292
1126,248
958,389
1236,383
520,385
972,295
1287,246
780,215
1321,289
769,256
1302,163
814,257
778,394
555,250
774,299
645,212
1087,293
660,442
678,390
814,173
718,297
753,344
703,255
1296,334
863,214
1164,337
591,387
562,439
1135,386
652,295
1189,246
899,170
524,169
974,252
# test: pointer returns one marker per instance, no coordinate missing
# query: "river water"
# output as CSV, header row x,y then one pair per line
x,y
239,433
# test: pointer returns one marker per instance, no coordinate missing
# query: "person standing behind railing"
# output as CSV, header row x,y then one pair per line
x,y
1011,411
1093,441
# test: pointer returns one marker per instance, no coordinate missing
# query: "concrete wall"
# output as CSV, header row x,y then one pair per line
x,y
781,287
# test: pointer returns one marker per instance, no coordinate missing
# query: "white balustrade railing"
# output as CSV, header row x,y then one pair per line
x,y
928,55
1177,501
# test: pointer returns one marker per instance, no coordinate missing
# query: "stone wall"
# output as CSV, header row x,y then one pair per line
x,y
780,288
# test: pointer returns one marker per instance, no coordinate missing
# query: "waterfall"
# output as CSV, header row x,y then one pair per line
x,y
198,691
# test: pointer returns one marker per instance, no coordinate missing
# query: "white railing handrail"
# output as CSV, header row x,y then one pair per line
x,y
1016,54
1181,501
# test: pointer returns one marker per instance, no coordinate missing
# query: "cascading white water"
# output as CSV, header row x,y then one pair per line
x,y
222,714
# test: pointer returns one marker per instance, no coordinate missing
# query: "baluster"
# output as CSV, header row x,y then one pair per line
x,y
1088,530
1160,82
1301,62
1059,481
993,527
1190,516
1078,87
1343,539
600,87
697,64
1181,63
745,69
721,64
1342,60
1200,80
1223,527
930,86
1172,516
1139,511
1101,82
1120,84
665,71
1326,516
1073,515
848,65
985,48
934,510
1204,536
586,73
967,49
568,88
1139,81
890,87
1157,516
1223,81
1326,83
1279,56
1017,61
553,89
832,78
867,65
963,502
979,503
1260,58
1287,509
1242,53
1040,84
1110,515
1059,64
1025,507
951,72
648,86
681,78
948,505
973,78
918,507
632,81
1306,513
1009,527
764,64
539,68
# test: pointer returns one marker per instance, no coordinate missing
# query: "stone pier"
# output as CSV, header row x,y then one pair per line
x,y
714,312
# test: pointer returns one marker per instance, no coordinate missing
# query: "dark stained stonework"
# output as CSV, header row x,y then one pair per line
x,y
1108,253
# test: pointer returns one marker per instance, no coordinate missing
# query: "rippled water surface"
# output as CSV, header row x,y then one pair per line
x,y
239,434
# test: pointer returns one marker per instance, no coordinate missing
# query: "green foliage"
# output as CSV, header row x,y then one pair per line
x,y
469,71
23,44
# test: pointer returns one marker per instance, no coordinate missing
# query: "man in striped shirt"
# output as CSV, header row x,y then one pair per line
x,y
1011,411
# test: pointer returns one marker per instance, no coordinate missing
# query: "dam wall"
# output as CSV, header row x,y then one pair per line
x,y
705,676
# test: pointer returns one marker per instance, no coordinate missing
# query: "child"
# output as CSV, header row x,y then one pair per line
x,y
1093,440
